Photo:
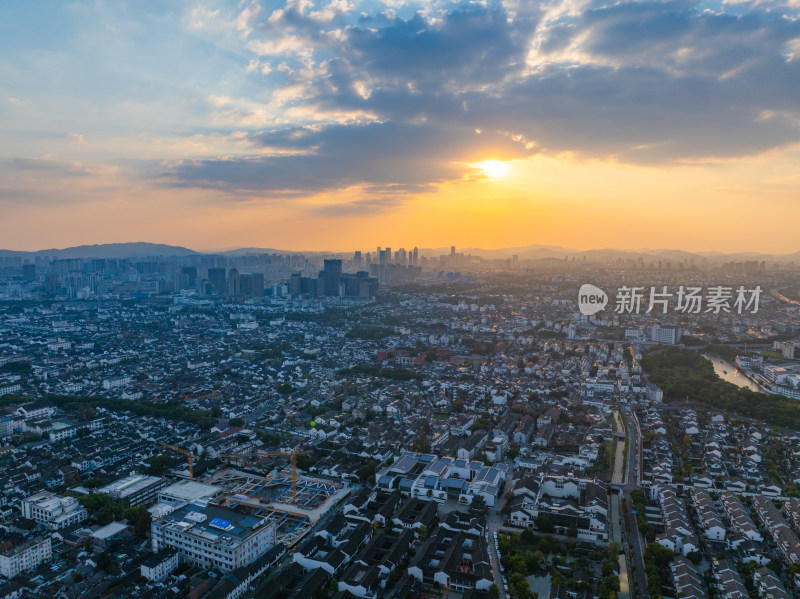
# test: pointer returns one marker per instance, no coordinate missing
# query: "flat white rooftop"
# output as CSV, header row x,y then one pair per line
x,y
190,490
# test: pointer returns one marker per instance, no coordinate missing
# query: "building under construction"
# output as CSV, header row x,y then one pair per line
x,y
289,501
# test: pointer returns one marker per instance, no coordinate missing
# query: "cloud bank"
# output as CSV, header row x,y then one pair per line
x,y
406,99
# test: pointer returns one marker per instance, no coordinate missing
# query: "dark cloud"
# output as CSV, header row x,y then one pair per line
x,y
387,157
470,46
653,82
637,115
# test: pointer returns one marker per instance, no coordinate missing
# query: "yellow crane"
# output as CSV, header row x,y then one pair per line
x,y
185,452
290,453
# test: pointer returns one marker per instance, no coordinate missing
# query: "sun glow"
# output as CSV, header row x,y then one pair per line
x,y
494,169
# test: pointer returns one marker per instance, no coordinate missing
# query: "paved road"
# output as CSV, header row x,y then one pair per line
x,y
616,535
614,512
494,523
631,480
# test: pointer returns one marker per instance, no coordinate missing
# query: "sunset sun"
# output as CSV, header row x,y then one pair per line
x,y
494,169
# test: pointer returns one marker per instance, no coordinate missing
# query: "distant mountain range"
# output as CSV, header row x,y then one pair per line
x,y
139,249
529,252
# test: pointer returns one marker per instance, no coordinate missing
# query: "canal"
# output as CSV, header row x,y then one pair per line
x,y
728,372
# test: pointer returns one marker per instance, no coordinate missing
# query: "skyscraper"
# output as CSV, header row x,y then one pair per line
x,y
29,272
216,276
295,280
257,284
332,274
234,284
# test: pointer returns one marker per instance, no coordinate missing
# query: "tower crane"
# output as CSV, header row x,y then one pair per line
x,y
290,453
185,452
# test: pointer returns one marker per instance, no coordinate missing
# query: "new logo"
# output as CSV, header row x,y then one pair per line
x,y
591,299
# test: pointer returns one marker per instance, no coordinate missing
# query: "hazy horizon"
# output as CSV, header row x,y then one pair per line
x,y
331,125
442,248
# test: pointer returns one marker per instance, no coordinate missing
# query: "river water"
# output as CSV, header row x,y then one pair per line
x,y
728,372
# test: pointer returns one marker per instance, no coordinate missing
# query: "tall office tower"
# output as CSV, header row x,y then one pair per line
x,y
180,281
383,258
295,280
219,283
452,250
191,272
401,256
245,289
29,272
234,283
416,256
257,284
332,273
52,284
357,259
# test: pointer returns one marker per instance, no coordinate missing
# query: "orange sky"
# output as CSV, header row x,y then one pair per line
x,y
328,125
736,205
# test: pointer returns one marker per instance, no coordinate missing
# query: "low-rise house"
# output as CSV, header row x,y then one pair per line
x,y
768,585
687,582
458,561
678,535
158,566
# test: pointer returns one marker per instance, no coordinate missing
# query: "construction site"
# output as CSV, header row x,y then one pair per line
x,y
291,501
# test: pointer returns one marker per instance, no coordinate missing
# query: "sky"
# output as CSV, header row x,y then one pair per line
x,y
342,124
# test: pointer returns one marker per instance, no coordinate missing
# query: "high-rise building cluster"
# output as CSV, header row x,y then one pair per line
x,y
400,266
332,282
222,277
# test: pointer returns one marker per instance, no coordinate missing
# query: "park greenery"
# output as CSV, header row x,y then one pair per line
x,y
171,410
105,510
526,553
370,333
637,498
656,566
16,368
683,375
397,374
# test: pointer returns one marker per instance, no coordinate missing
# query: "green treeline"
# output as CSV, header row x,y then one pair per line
x,y
171,410
686,374
370,333
397,374
726,352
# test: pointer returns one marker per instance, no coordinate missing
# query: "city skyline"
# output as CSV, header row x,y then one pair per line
x,y
400,299
532,252
323,126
